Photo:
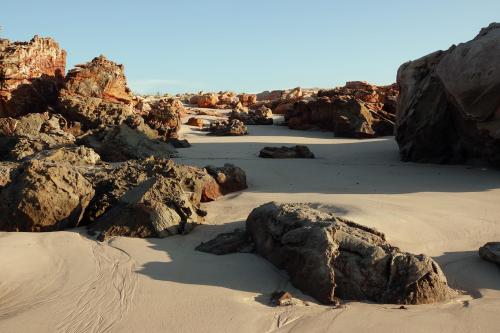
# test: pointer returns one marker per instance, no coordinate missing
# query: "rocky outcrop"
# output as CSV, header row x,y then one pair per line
x,y
96,94
286,152
164,115
260,116
30,75
449,106
131,140
231,127
247,100
207,101
490,252
329,257
356,110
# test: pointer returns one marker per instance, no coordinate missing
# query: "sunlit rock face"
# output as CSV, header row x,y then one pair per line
x,y
30,75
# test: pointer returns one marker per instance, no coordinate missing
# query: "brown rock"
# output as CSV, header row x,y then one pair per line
x,y
247,99
229,177
490,252
286,152
165,116
231,242
197,122
96,94
30,75
281,298
329,257
208,101
231,127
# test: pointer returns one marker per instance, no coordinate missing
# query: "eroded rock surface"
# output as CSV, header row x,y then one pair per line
x,y
449,107
490,252
30,75
329,257
233,127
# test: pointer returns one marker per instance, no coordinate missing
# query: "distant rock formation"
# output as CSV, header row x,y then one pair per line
x,y
358,110
30,75
449,106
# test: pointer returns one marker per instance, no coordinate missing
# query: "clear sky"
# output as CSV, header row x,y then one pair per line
x,y
176,46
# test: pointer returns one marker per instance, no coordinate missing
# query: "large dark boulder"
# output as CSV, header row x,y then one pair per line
x,y
328,257
449,104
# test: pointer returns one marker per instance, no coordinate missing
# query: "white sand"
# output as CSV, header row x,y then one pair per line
x,y
65,282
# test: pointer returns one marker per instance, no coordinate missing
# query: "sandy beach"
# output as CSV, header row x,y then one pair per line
x,y
68,282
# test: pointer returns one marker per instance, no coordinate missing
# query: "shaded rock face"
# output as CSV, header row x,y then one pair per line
x,y
449,107
490,252
157,207
231,127
23,137
327,257
31,74
357,110
96,94
237,241
44,197
286,152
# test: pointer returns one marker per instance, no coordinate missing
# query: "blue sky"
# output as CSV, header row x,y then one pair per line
x,y
176,46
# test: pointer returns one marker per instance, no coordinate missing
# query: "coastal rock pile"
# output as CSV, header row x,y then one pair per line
x,y
222,100
53,158
358,110
261,116
329,257
449,107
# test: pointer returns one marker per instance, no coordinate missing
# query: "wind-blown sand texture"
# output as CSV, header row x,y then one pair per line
x,y
67,282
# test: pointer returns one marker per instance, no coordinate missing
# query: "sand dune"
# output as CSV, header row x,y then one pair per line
x,y
65,281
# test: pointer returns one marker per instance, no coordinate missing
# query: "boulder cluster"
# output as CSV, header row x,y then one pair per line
x,y
220,100
59,134
329,257
449,106
357,110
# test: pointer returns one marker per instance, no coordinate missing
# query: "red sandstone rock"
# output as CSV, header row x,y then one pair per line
x,y
208,101
247,99
196,122
165,116
30,75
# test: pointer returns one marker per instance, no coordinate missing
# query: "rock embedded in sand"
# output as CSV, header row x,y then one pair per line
x,y
229,177
286,152
237,241
233,127
30,75
328,257
490,252
448,110
197,122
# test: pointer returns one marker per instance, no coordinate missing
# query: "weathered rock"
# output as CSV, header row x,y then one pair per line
x,y
356,110
130,140
197,122
490,252
96,94
327,257
229,177
8,172
247,99
43,197
286,152
207,101
449,107
237,241
32,133
30,75
178,143
231,127
260,116
165,116
157,207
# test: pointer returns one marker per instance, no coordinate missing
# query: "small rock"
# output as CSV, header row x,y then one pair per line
x,y
286,152
281,298
178,143
490,252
